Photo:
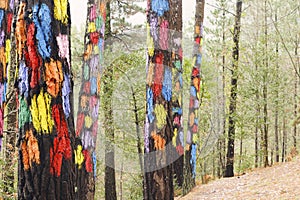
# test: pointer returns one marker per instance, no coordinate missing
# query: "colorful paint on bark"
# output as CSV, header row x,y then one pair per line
x,y
89,98
163,124
194,104
44,83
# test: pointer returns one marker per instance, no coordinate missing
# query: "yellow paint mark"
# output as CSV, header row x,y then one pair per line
x,y
41,113
161,115
92,27
79,157
88,121
174,137
195,138
150,43
60,10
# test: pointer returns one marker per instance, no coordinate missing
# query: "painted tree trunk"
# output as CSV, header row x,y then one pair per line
x,y
6,18
163,124
45,90
87,116
233,92
175,48
192,134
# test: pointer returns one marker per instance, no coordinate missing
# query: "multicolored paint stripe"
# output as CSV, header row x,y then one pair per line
x,y
193,120
89,99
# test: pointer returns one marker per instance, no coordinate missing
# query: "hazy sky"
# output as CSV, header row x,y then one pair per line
x,y
78,12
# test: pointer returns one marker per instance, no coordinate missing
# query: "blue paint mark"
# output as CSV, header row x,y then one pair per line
x,y
1,16
193,159
23,82
193,91
180,80
150,105
199,59
177,110
101,44
167,85
196,121
95,163
42,20
181,138
93,85
160,6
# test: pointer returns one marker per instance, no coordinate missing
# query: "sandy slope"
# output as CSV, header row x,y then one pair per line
x,y
281,181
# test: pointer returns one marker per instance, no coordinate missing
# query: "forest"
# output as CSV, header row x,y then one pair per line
x,y
144,99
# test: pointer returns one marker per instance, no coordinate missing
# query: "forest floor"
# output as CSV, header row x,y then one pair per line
x,y
281,181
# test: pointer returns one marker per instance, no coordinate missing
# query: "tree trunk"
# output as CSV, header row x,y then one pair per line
x,y
87,116
137,128
110,179
284,140
163,128
223,138
46,124
276,102
241,153
233,92
176,61
192,134
295,98
265,93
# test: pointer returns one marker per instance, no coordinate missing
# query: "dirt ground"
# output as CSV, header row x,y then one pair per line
x,y
281,181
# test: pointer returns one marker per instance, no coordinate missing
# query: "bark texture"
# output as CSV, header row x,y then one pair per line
x,y
89,100
194,104
163,125
45,89
233,91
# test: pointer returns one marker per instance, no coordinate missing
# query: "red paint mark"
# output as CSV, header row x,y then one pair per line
x,y
62,144
195,72
9,21
94,37
33,60
80,122
87,87
88,161
158,75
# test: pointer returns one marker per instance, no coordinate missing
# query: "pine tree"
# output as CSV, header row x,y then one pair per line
x,y
192,134
45,88
89,100
163,126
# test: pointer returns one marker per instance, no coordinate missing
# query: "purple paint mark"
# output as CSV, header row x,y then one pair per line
x,y
2,38
23,82
94,64
66,89
87,140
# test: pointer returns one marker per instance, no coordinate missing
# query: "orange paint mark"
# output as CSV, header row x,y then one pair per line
x,y
54,77
159,142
